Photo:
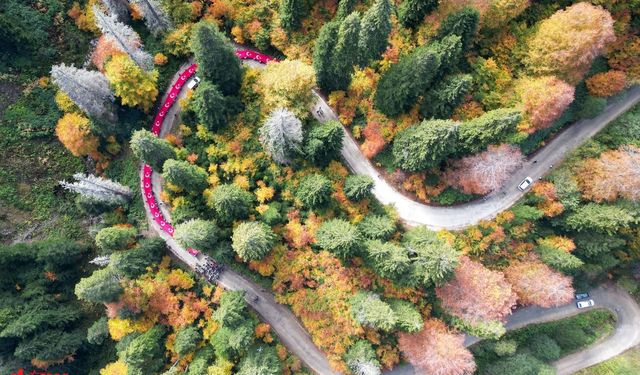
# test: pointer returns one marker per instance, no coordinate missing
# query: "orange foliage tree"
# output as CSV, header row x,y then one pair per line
x,y
615,174
606,84
543,99
625,56
535,283
74,131
566,43
105,48
486,171
436,350
549,203
477,293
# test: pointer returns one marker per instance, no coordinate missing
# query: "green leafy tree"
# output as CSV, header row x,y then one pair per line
x,y
115,238
210,106
339,237
98,332
519,364
151,149
445,96
601,218
187,340
411,13
490,128
346,54
229,342
102,286
375,30
198,234
216,59
314,190
260,360
369,310
505,347
463,24
133,263
145,353
253,240
409,318
291,14
324,142
544,348
425,145
434,260
358,187
361,358
187,176
387,259
232,309
323,56
377,227
230,202
201,360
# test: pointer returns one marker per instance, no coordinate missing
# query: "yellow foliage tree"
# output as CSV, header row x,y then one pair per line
x,y
64,102
134,87
502,11
221,367
119,328
74,131
115,368
567,42
288,85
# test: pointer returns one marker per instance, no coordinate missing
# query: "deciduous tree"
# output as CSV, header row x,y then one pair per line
x,y
615,174
253,240
281,136
500,12
606,84
487,171
74,132
477,293
566,43
437,351
134,86
215,56
151,149
425,145
537,284
288,84
543,99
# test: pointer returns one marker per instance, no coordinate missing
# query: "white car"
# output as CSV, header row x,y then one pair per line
x,y
525,183
193,83
585,304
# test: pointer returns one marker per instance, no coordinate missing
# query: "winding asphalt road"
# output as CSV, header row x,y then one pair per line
x,y
298,341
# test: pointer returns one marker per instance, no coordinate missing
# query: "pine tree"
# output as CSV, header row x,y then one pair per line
x,y
389,260
361,359
89,90
445,96
118,8
314,190
358,187
338,237
463,24
346,54
324,142
425,145
210,106
198,234
369,310
185,175
491,128
374,31
323,56
253,240
344,8
230,202
216,59
127,40
151,149
291,13
412,12
98,188
281,136
154,16
260,360
102,286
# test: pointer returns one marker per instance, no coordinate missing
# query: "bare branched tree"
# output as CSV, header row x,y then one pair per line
x,y
154,16
281,135
118,8
98,188
88,89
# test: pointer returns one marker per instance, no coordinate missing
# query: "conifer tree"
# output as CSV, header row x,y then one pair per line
x,y
375,30
281,136
291,13
344,8
323,56
118,8
346,54
445,96
412,12
151,149
463,24
89,90
154,16
98,188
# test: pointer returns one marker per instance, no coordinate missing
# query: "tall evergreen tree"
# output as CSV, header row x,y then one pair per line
x,y
281,136
98,188
389,260
491,128
118,8
260,360
324,142
89,90
344,8
187,176
291,14
412,12
375,30
151,149
253,240
154,16
346,54
463,24
323,56
216,59
127,40
425,145
210,106
445,96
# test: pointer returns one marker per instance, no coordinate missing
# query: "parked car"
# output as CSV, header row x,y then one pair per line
x,y
585,304
193,83
580,296
193,251
525,183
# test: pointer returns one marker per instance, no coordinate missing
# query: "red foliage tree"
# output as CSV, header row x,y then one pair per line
x,y
477,293
374,142
437,351
606,84
544,99
615,174
537,284
486,171
625,56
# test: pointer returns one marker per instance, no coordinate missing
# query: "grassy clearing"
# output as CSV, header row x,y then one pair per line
x,y
627,363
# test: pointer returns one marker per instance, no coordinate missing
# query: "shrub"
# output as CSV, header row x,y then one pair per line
x,y
115,238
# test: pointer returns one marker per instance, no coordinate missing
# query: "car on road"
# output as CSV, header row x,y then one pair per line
x,y
580,296
585,304
193,83
525,183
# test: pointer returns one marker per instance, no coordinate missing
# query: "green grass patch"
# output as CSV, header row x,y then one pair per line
x,y
627,363
530,349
